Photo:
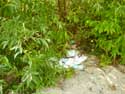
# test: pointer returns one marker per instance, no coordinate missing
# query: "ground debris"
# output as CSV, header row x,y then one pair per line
x,y
93,80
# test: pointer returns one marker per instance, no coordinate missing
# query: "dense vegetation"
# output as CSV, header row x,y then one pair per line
x,y
34,34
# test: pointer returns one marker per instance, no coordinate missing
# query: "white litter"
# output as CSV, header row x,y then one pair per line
x,y
73,60
72,53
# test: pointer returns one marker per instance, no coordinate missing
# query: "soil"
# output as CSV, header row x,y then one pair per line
x,y
92,80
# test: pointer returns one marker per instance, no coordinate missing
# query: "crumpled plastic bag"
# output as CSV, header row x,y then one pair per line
x,y
73,60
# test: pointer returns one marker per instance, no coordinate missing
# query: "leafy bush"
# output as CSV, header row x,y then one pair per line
x,y
35,33
32,40
101,26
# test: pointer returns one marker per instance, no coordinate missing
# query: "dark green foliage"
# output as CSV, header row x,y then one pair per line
x,y
101,26
35,33
31,40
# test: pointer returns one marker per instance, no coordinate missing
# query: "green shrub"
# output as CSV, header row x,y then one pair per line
x,y
101,26
35,33
31,40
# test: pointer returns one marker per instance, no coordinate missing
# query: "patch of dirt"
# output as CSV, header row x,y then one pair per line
x,y
93,80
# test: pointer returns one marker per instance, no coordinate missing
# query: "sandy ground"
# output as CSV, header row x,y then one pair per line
x,y
92,80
